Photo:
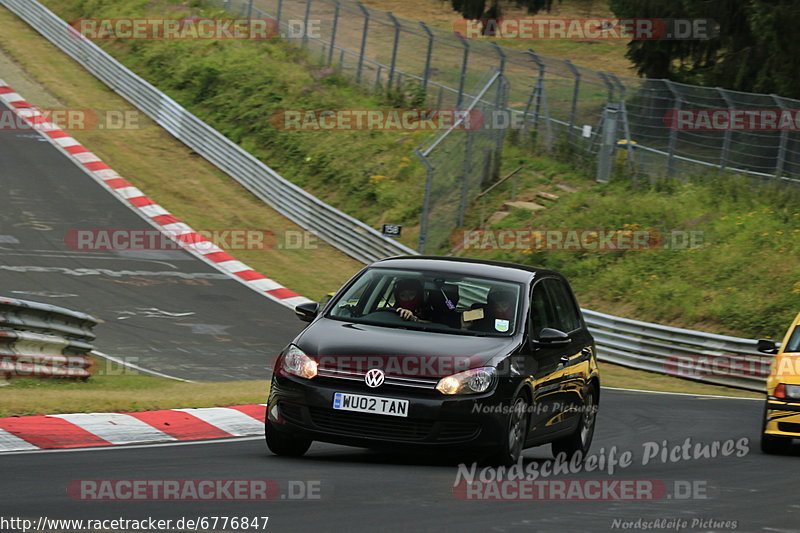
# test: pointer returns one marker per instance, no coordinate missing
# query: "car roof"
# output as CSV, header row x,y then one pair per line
x,y
467,266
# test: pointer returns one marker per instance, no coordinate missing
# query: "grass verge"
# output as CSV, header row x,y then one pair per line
x,y
121,390
124,391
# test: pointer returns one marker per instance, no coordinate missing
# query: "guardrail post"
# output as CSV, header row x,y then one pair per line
x,y
574,106
333,31
781,160
305,22
726,141
428,55
426,202
463,76
608,145
394,48
363,41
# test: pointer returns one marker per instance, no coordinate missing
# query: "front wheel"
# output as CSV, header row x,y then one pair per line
x,y
581,439
510,449
283,444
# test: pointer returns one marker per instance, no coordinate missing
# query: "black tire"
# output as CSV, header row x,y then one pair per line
x,y
510,449
775,445
283,444
581,439
771,444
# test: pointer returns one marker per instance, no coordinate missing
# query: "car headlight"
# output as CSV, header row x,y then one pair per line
x,y
297,363
468,382
792,392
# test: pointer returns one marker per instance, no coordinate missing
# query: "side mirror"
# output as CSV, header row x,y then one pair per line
x,y
767,346
307,311
552,337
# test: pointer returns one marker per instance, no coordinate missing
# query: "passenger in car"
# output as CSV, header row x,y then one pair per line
x,y
498,312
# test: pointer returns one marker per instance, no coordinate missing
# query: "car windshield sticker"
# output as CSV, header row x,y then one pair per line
x,y
500,325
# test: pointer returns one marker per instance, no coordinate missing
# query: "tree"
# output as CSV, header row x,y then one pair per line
x,y
757,47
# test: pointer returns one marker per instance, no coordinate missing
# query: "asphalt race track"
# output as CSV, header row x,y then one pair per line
x,y
164,310
363,490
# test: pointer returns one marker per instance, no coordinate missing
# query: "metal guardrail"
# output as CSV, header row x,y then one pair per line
x,y
695,355
44,340
346,233
706,357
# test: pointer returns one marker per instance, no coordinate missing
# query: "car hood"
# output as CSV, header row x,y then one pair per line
x,y
328,339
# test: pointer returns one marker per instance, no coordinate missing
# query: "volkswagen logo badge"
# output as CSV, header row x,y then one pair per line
x,y
374,378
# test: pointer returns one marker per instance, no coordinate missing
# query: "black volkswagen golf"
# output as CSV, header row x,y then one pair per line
x,y
446,353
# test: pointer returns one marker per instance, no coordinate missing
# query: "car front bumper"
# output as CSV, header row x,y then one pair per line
x,y
304,408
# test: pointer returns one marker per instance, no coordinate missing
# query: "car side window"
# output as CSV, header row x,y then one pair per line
x,y
542,314
566,311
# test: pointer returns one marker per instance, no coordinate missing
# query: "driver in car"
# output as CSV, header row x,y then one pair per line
x,y
408,298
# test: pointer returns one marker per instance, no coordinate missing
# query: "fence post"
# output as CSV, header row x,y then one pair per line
x,y
428,55
673,134
626,127
537,89
250,10
502,57
394,48
333,31
466,169
278,15
305,22
423,226
608,145
363,41
463,76
574,107
779,164
726,141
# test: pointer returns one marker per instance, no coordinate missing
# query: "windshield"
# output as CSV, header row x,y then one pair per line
x,y
794,342
431,301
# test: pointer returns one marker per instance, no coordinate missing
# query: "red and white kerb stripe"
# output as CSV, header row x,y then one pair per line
x,y
107,429
146,207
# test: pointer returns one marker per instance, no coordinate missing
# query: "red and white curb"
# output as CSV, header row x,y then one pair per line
x,y
108,429
156,215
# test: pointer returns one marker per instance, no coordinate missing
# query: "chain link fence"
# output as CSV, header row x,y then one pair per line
x,y
562,104
461,161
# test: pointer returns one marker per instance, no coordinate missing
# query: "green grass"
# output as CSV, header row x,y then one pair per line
x,y
116,389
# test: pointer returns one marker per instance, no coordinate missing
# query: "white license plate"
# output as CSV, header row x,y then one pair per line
x,y
370,404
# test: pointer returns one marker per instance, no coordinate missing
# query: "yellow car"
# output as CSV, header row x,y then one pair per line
x,y
782,409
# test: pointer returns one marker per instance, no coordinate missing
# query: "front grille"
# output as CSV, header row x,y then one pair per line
x,y
458,431
397,381
291,412
789,427
370,425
